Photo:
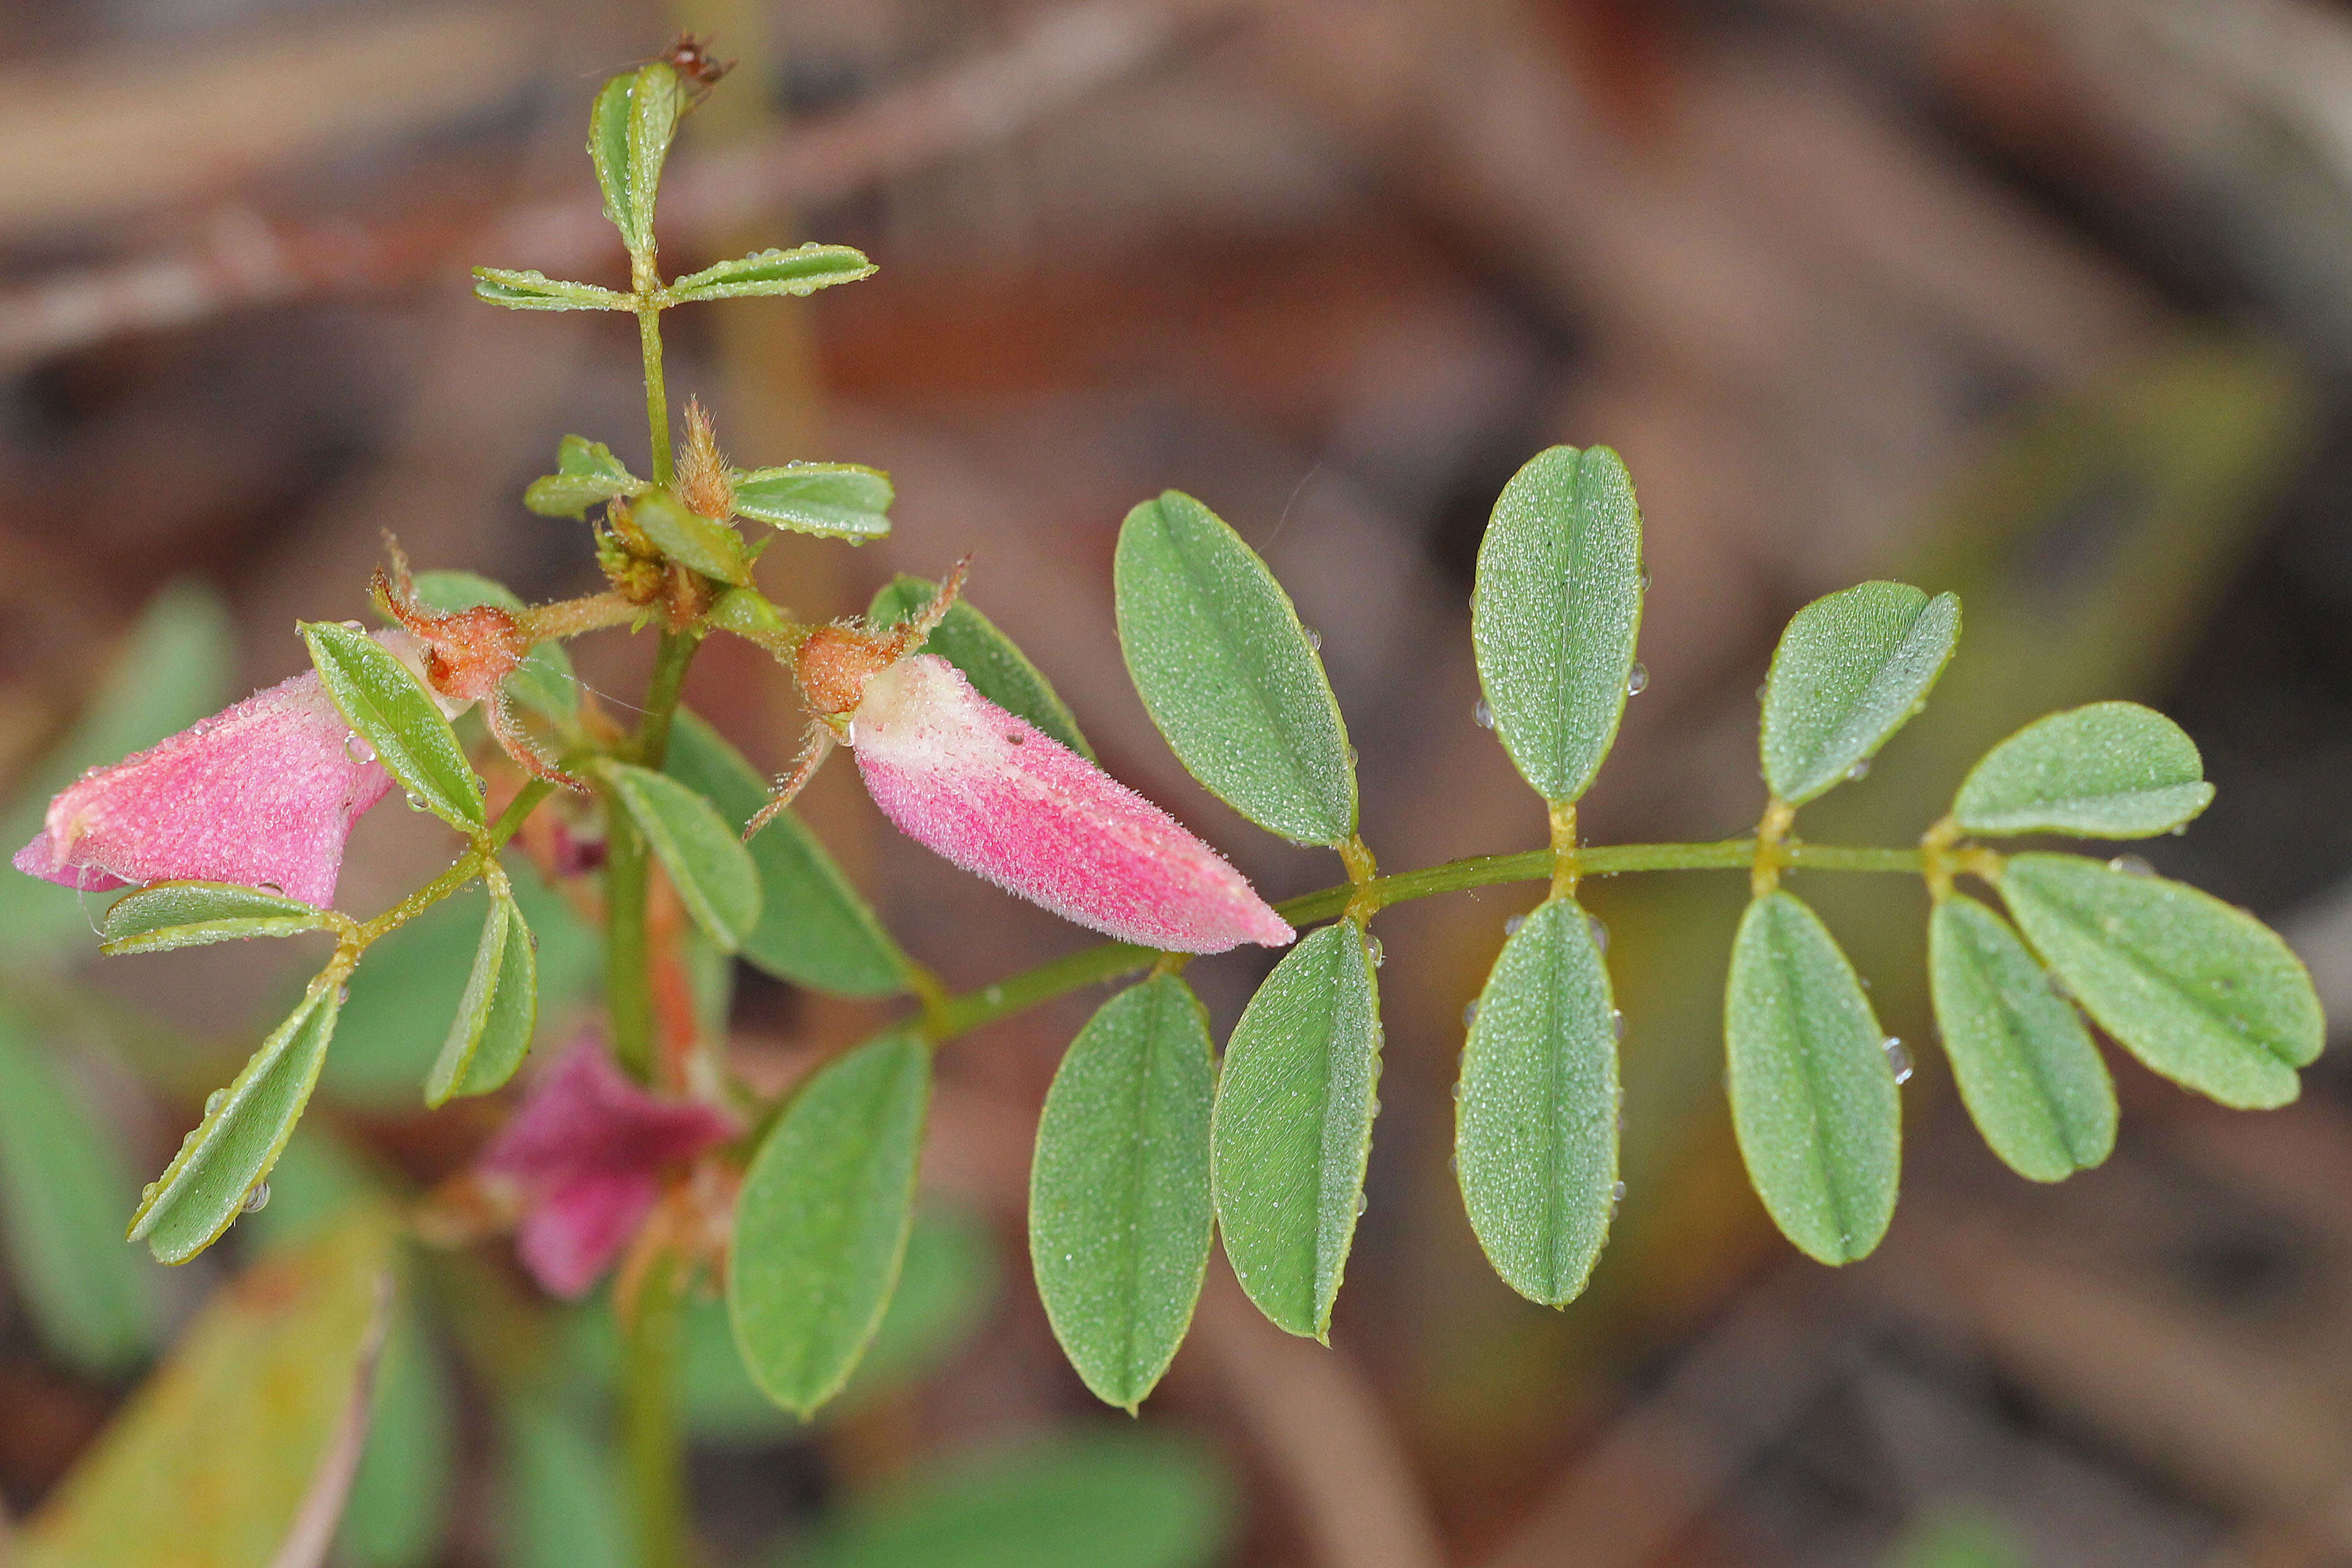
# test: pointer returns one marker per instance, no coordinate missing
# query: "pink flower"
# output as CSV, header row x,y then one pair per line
x,y
263,794
586,1152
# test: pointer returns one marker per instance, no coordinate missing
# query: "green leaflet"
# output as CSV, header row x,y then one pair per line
x,y
63,1190
802,270
629,131
1293,1126
707,863
821,1225
1138,1500
544,682
1119,1212
1535,1113
839,500
693,540
586,474
1229,675
498,1010
389,709
2027,1070
2111,770
1812,1094
814,929
1852,668
1555,611
528,290
2201,992
230,1152
561,1501
997,670
170,915
398,1514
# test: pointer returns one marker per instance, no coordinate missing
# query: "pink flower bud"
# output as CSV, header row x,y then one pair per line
x,y
586,1154
1001,798
263,794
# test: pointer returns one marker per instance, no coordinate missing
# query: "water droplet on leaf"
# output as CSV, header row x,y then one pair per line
x,y
1617,1022
1314,639
1617,1193
1482,715
1860,770
1469,1014
255,1200
1897,1057
2131,866
355,746
1637,678
1600,931
1511,927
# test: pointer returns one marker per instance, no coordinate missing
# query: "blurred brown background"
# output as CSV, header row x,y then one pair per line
x,y
2049,301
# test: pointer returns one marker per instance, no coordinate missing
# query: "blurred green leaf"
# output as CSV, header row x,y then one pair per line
x,y
1555,611
1140,1499
64,1189
1536,1114
1229,675
1852,668
2027,1070
841,501
1958,1538
398,1514
211,1460
1293,1126
170,915
2201,992
545,682
1813,1093
528,290
814,929
586,474
1120,1211
559,1491
821,1225
693,540
707,863
802,270
997,670
393,713
2112,770
629,131
496,1012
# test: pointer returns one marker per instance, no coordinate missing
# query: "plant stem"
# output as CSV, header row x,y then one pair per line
x,y
970,1010
649,344
649,1420
628,872
469,865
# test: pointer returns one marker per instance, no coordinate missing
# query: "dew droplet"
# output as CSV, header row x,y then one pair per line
x,y
1380,955
1314,639
255,1200
1617,1022
1645,578
355,746
1637,678
1363,1203
1460,1089
2180,830
342,995
2131,866
1759,694
353,626
1511,927
415,801
993,996
1898,1056
212,1100
849,735
1860,770
1469,1014
1482,715
273,887
1600,932
1617,1193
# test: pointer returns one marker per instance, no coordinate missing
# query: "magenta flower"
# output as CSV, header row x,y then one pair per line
x,y
263,794
585,1156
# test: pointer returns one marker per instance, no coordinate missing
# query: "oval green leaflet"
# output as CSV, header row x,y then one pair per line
x,y
2111,770
544,682
498,1010
1228,673
838,501
629,131
1120,1211
2201,992
245,1128
1535,1113
1852,668
814,929
529,291
1813,1096
1293,1127
388,707
1555,611
707,863
802,270
821,1226
2026,1067
693,540
586,474
997,670
188,914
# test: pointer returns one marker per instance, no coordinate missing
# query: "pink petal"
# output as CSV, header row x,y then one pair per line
x,y
574,1234
263,794
999,797
584,1119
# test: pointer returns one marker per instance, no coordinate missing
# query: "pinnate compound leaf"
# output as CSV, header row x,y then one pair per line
x,y
1119,1212
838,501
392,712
1229,675
693,540
821,1226
1536,1115
707,863
63,1190
802,270
629,131
997,670
245,1128
586,474
1852,668
2201,992
544,682
1293,1127
497,1012
1555,611
2027,1069
2112,770
528,290
1813,1093
188,914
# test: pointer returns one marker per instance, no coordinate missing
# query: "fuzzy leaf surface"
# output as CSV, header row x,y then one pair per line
x,y
1852,668
170,915
629,131
713,872
586,474
693,540
393,713
497,1012
2111,770
802,270
528,290
837,501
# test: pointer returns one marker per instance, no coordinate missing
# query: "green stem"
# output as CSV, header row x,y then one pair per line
x,y
649,344
961,1014
469,865
628,954
649,1421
